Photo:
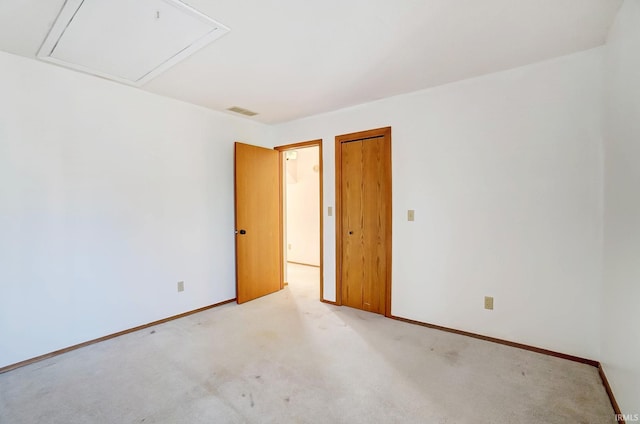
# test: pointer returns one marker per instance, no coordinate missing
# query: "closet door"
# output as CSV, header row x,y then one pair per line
x,y
364,238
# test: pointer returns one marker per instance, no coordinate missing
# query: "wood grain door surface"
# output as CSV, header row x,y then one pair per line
x,y
365,214
258,223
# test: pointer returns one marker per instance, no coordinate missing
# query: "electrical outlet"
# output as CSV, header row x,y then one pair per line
x,y
411,215
180,286
488,302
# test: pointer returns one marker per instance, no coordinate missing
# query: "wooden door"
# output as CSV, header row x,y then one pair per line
x,y
258,223
364,238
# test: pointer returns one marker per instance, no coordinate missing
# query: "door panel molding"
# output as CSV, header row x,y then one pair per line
x,y
340,140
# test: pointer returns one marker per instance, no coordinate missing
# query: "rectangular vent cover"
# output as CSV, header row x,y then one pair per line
x,y
242,111
130,41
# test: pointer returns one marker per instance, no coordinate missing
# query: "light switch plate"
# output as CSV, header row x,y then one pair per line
x,y
180,286
488,302
411,215
330,211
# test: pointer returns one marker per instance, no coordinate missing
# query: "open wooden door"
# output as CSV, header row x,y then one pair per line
x,y
258,223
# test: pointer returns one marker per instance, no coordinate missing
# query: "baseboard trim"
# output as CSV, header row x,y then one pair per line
x,y
302,263
110,336
330,302
596,364
612,398
501,341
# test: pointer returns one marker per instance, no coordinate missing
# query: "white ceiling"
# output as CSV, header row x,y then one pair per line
x,y
287,59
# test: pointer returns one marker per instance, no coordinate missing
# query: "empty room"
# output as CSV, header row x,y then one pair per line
x,y
420,211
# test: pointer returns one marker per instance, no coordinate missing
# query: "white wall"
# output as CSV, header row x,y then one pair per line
x,y
108,197
505,174
621,322
303,207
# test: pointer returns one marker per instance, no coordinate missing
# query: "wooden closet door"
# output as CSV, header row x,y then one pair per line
x,y
353,243
365,221
374,228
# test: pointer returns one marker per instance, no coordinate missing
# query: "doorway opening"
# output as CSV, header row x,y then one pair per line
x,y
302,222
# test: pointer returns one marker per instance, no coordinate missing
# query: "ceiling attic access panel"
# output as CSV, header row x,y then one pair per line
x,y
130,41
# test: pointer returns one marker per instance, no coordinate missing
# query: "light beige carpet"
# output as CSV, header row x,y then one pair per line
x,y
287,358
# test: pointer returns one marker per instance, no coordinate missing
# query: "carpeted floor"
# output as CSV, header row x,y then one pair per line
x,y
287,358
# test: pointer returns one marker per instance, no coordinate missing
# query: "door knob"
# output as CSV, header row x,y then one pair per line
x,y
350,232
241,232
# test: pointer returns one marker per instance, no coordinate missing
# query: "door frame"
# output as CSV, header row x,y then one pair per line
x,y
282,150
384,132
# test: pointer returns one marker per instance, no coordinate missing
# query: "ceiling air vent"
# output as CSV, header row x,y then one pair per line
x,y
242,111
130,41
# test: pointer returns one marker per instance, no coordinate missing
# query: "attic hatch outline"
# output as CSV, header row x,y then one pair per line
x,y
69,14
